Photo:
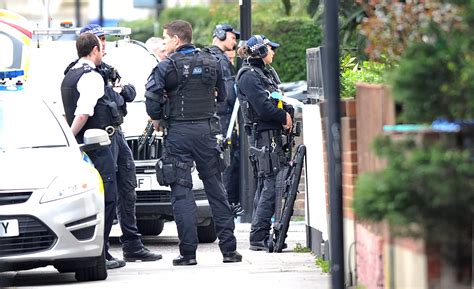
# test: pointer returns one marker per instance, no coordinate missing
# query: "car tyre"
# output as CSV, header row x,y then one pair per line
x,y
207,234
64,269
94,273
152,227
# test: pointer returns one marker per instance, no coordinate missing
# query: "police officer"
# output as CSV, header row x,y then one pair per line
x,y
157,46
118,95
85,106
180,98
265,121
224,40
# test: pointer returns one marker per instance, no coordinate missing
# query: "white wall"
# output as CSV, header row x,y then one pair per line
x,y
316,214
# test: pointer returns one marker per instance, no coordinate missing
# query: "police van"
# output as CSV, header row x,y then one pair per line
x,y
51,52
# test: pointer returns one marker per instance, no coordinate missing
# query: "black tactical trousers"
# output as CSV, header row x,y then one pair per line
x,y
189,141
126,197
104,162
265,195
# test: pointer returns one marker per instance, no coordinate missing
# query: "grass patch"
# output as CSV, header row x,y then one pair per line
x,y
297,218
321,263
300,249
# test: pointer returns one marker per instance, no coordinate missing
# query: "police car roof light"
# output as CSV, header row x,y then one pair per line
x,y
115,31
11,73
14,85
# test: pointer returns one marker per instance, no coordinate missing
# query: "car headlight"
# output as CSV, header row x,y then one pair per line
x,y
63,187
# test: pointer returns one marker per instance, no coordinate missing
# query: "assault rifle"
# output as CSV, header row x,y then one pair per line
x,y
287,183
146,136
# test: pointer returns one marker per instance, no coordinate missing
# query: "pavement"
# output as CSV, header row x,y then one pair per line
x,y
284,270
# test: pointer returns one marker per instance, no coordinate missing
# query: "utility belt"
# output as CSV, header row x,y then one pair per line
x,y
269,159
266,136
111,129
213,122
178,121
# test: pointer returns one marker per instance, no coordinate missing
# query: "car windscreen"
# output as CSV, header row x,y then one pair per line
x,y
28,123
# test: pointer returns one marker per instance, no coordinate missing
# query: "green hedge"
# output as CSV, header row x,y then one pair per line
x,y
294,34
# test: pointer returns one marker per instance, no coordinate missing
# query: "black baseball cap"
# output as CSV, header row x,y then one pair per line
x,y
226,28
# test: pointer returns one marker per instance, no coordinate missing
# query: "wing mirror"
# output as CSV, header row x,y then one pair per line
x,y
94,138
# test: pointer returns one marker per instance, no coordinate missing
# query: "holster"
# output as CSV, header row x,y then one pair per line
x,y
265,163
254,164
165,172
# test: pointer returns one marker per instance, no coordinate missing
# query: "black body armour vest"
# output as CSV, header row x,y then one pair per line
x,y
228,76
194,98
248,113
105,111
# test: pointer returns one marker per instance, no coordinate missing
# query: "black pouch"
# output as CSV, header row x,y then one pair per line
x,y
117,117
165,172
275,162
264,165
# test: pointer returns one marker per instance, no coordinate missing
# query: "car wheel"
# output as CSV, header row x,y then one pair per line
x,y
207,234
152,227
94,273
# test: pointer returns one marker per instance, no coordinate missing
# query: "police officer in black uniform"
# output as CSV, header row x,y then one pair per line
x,y
118,95
181,99
266,120
86,106
225,39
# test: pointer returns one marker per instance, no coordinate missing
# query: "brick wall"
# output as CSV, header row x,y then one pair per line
x,y
299,207
349,153
374,109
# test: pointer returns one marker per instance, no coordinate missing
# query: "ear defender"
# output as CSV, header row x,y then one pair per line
x,y
262,51
220,33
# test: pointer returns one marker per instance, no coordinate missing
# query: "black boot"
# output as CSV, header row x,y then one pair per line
x,y
184,260
259,245
232,257
141,255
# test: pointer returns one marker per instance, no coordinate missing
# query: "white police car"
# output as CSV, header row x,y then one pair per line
x,y
51,200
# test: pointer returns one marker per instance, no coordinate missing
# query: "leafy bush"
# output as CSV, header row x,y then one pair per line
x,y
203,19
353,72
295,35
391,26
141,29
435,79
425,191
